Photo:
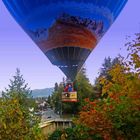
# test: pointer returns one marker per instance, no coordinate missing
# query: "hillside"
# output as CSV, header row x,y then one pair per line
x,y
42,92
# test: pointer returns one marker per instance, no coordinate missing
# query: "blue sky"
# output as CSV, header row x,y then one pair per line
x,y
18,50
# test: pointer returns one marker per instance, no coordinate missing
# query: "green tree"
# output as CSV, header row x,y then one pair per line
x,y
82,86
19,89
56,98
56,87
106,66
17,121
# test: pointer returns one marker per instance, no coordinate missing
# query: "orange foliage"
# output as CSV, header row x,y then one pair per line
x,y
118,115
92,117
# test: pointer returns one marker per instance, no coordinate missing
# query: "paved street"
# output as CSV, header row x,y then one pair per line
x,y
48,115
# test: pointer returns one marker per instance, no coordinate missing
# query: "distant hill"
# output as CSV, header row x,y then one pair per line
x,y
39,92
42,92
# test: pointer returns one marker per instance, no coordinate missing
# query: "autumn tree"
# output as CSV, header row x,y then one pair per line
x,y
15,123
106,66
17,119
125,90
117,116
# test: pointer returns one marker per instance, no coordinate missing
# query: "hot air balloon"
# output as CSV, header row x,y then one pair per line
x,y
65,30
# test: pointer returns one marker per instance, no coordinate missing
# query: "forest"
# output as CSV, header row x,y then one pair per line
x,y
109,109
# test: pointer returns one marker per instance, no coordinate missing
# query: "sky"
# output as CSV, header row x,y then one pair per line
x,y
17,50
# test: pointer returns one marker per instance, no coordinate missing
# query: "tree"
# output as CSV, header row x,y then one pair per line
x,y
15,123
17,119
19,89
82,86
56,87
18,84
94,117
106,66
117,116
124,90
56,98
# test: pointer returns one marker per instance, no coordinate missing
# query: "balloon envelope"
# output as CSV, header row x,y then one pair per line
x,y
65,30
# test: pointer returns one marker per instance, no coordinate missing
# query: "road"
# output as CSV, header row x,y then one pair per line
x,y
48,115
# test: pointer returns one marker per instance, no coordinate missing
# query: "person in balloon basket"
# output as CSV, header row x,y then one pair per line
x,y
70,89
66,88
